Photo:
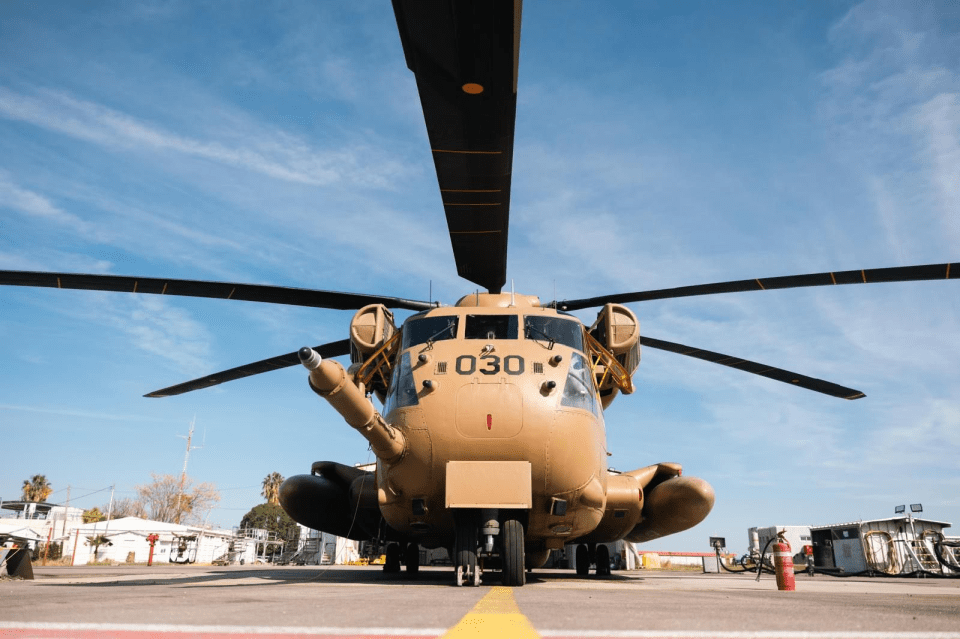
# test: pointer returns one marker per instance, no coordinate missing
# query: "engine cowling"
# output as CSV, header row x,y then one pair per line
x,y
617,329
370,329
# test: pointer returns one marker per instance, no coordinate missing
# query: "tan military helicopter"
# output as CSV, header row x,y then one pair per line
x,y
491,439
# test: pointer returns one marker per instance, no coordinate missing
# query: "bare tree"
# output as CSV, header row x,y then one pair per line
x,y
165,500
125,507
37,488
271,488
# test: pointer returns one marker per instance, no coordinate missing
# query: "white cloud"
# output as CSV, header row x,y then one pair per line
x,y
892,111
274,153
75,412
150,323
32,203
938,121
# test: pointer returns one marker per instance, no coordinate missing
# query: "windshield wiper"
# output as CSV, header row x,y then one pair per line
x,y
438,334
530,328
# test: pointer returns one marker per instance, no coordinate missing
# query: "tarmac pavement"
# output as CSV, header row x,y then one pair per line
x,y
340,601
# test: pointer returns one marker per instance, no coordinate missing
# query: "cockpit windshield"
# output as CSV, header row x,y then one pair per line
x,y
491,327
429,329
553,330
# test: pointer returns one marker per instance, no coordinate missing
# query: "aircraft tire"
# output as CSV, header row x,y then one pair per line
x,y
411,559
392,563
603,560
514,564
583,560
465,550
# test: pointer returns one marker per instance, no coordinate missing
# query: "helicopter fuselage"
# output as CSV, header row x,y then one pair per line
x,y
494,384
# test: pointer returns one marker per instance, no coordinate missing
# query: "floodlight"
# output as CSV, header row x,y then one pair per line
x,y
916,508
900,510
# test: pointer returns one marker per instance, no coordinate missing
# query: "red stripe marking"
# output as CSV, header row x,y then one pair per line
x,y
47,633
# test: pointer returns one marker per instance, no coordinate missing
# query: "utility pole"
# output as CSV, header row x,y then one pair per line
x,y
186,458
109,510
66,511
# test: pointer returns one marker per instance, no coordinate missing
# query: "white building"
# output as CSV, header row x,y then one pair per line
x,y
41,520
129,542
317,548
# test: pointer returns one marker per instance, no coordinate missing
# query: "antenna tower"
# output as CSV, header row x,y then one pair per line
x,y
186,458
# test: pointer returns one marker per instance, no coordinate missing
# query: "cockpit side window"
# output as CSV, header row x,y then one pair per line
x,y
579,390
491,327
402,391
429,329
553,330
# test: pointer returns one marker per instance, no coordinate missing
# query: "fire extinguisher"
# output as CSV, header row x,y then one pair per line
x,y
783,563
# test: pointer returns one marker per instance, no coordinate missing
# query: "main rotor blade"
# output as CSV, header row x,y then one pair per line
x,y
863,276
196,288
770,372
465,57
333,349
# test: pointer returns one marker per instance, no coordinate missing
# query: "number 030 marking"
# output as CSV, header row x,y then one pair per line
x,y
490,364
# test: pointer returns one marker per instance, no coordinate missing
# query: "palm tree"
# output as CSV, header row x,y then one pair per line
x,y
96,542
271,488
36,489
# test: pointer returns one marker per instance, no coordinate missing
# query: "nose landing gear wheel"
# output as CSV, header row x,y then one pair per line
x,y
513,554
465,551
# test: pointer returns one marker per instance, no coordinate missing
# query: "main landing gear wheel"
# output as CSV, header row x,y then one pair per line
x,y
465,551
392,563
411,559
514,573
603,561
583,560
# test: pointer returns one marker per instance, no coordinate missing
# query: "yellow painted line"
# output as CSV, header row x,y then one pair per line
x,y
58,283
232,291
496,615
760,285
832,278
164,291
863,274
135,282
948,271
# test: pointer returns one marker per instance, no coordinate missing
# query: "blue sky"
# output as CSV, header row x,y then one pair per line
x,y
657,145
